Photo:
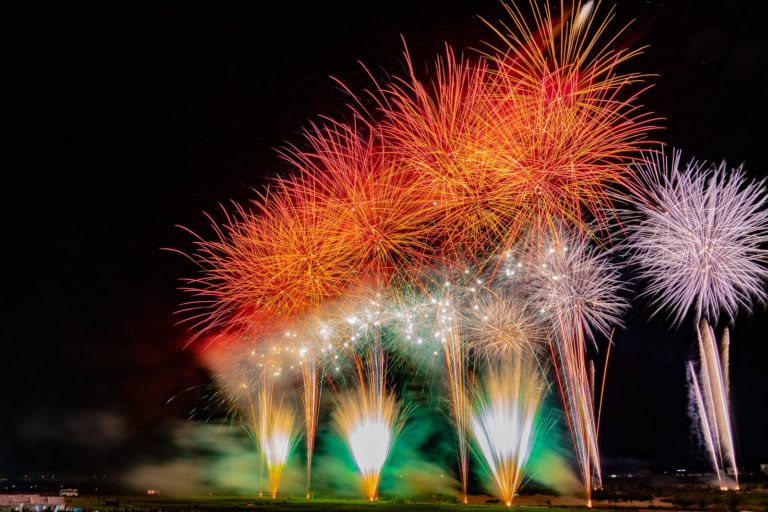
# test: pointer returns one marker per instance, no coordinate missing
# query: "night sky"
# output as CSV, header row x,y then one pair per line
x,y
121,124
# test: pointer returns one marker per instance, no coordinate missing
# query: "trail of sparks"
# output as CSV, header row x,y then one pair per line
x,y
581,290
456,366
274,428
577,393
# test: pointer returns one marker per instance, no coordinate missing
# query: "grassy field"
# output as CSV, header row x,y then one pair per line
x,y
122,503
683,498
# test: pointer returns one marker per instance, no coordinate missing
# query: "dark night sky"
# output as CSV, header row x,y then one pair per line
x,y
122,123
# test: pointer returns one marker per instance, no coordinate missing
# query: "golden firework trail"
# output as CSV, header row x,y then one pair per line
x,y
505,420
456,366
273,425
369,419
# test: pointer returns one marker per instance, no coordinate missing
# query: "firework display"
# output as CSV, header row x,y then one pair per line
x,y
465,227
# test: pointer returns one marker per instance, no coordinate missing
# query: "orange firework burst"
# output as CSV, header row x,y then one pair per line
x,y
282,259
567,119
443,132
374,205
493,150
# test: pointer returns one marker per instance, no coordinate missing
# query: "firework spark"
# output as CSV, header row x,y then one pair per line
x,y
505,420
699,238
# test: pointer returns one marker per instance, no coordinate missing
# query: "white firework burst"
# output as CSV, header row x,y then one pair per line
x,y
579,286
698,236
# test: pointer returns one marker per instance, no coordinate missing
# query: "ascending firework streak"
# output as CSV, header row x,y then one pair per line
x,y
311,402
574,382
370,419
505,420
273,425
429,316
315,336
709,393
456,366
